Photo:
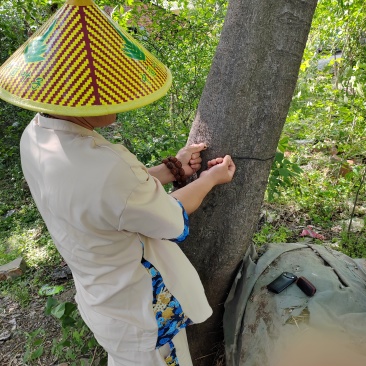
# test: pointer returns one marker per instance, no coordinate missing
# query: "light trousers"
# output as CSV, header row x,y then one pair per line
x,y
155,357
113,337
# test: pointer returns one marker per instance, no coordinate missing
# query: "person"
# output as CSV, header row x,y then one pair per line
x,y
110,217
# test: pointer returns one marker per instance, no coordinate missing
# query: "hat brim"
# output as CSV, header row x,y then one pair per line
x,y
87,111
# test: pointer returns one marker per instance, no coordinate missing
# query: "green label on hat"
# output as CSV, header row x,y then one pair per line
x,y
35,50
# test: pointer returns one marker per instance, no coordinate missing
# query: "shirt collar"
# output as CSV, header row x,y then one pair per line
x,y
62,125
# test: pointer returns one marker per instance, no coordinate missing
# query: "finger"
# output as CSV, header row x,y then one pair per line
x,y
195,161
228,160
197,147
211,163
214,162
196,167
232,167
195,155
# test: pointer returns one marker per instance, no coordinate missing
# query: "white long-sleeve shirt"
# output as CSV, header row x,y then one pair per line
x,y
99,203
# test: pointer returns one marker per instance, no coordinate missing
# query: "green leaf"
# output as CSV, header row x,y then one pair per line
x,y
58,311
296,169
279,157
92,343
67,321
38,342
66,343
50,304
284,172
283,143
37,353
69,308
27,355
48,290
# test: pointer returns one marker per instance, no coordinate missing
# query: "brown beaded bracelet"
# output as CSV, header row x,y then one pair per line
x,y
175,167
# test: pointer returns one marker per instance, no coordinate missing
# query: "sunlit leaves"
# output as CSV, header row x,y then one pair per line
x,y
184,36
327,116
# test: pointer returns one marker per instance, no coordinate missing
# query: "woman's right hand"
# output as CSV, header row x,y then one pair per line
x,y
220,170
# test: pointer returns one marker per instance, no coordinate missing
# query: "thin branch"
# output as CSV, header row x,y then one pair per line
x,y
356,198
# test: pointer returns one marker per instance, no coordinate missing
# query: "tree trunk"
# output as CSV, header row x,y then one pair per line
x,y
241,113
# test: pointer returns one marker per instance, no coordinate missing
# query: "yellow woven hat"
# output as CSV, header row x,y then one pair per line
x,y
80,63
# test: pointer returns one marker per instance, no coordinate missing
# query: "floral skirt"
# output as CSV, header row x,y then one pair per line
x,y
168,313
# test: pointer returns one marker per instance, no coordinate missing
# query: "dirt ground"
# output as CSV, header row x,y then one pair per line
x,y
16,321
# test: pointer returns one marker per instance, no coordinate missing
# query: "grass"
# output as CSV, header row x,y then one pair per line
x,y
325,197
323,200
324,133
22,230
353,244
319,181
321,196
272,234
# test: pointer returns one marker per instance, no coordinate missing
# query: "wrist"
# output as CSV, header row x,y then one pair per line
x,y
207,180
167,173
176,170
162,173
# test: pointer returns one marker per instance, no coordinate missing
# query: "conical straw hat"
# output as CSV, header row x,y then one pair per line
x,y
81,63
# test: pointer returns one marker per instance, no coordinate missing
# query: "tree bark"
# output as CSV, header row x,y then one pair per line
x,y
242,111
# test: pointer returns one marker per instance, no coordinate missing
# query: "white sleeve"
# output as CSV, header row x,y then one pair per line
x,y
151,211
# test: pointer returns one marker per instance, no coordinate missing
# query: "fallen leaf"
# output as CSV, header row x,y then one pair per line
x,y
312,233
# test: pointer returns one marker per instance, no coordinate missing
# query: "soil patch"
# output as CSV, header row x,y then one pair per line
x,y
16,322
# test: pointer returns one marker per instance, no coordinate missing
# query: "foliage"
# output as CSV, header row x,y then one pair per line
x,y
326,122
19,19
283,172
75,345
272,234
185,43
76,338
34,345
18,290
22,230
354,244
319,165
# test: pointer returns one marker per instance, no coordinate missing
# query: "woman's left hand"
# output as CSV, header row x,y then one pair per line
x,y
190,157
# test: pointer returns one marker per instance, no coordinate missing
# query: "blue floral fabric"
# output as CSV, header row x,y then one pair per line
x,y
185,232
172,359
168,312
167,309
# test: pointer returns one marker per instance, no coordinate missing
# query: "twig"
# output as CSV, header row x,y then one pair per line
x,y
210,354
12,351
356,198
92,360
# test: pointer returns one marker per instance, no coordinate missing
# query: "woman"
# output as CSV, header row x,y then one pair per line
x,y
108,216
